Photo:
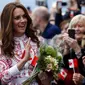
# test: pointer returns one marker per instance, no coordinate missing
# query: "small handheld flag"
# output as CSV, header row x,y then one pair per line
x,y
62,75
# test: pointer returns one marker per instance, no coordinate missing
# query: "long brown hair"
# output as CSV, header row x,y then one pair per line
x,y
7,28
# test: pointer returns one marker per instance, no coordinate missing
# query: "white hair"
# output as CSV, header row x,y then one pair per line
x,y
41,12
77,19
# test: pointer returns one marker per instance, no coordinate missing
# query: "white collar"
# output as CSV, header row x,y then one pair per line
x,y
17,39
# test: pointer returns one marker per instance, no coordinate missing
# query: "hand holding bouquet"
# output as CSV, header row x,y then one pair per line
x,y
49,62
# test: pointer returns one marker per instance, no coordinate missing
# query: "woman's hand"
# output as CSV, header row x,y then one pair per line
x,y
72,43
78,78
26,56
27,51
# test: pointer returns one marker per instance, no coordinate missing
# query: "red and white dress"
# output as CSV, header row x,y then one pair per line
x,y
9,72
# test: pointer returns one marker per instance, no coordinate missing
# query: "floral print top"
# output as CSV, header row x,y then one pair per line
x,y
9,72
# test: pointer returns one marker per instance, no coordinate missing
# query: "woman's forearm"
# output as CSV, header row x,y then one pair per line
x,y
21,64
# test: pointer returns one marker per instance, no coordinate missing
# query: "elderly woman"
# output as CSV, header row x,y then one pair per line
x,y
78,23
72,48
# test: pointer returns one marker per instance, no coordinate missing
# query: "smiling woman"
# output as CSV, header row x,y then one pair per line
x,y
78,24
19,21
18,41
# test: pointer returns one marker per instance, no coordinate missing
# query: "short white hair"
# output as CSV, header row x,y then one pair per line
x,y
42,12
77,19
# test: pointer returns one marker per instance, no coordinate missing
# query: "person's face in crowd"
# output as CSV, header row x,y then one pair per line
x,y
73,5
19,22
79,31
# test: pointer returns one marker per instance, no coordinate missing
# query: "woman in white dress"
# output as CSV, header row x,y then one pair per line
x,y
19,45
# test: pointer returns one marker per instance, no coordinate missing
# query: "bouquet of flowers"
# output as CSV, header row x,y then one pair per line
x,y
50,61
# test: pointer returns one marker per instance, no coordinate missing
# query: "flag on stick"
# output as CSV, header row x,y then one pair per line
x,y
34,61
73,63
62,75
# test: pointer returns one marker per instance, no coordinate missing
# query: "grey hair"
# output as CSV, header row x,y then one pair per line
x,y
77,19
42,12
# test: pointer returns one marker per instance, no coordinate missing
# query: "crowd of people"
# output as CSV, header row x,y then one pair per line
x,y
22,32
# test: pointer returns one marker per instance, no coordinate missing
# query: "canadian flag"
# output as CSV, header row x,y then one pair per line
x,y
71,13
73,63
34,61
62,75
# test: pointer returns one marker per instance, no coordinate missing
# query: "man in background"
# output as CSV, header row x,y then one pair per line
x,y
40,17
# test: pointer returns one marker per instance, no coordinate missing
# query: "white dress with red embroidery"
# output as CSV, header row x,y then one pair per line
x,y
9,72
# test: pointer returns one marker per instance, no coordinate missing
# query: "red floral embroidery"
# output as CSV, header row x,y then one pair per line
x,y
3,65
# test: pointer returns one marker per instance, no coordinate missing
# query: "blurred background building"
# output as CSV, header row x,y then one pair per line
x,y
31,3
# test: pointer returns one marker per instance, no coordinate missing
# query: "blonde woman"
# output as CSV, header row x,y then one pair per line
x,y
72,48
78,24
